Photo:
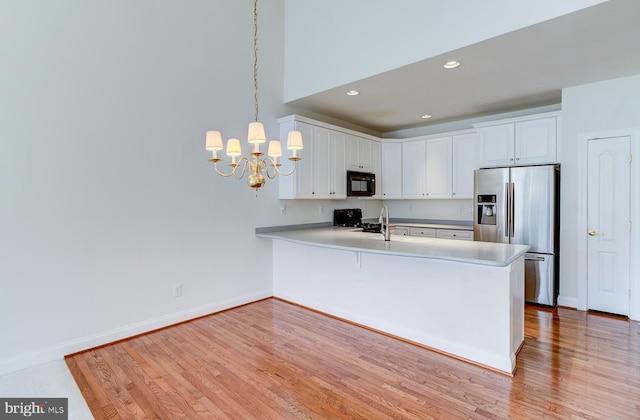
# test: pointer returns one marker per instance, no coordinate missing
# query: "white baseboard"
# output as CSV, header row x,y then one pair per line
x,y
60,350
569,302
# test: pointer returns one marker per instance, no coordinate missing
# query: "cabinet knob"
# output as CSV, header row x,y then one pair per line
x,y
511,159
517,158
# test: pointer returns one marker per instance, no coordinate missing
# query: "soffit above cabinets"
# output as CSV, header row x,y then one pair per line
x,y
523,69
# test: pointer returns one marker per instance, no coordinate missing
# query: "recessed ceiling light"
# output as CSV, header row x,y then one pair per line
x,y
426,116
451,64
352,92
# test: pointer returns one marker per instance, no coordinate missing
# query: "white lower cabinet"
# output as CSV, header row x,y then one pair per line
x,y
402,231
426,232
462,235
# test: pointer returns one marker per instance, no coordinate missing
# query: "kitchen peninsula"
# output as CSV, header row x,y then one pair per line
x,y
464,299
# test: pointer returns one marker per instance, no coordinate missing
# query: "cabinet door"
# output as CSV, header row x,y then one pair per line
x,y
300,183
535,141
365,155
461,235
323,176
359,154
464,163
391,171
353,152
402,231
496,145
438,168
339,171
413,169
426,232
376,166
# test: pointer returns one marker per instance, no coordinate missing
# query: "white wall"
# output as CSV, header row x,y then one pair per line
x,y
334,42
606,105
458,210
106,196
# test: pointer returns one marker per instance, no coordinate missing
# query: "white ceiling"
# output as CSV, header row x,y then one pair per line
x,y
519,70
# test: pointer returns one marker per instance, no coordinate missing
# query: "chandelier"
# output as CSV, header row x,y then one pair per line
x,y
256,165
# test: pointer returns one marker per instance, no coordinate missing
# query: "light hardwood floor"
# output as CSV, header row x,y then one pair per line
x,y
271,359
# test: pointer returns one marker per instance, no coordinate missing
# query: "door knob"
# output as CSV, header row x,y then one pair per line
x,y
594,233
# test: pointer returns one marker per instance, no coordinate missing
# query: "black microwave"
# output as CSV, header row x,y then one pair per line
x,y
361,184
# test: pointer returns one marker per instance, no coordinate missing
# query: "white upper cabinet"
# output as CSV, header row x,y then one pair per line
x,y
322,172
359,154
391,171
413,169
522,141
439,167
300,183
536,141
330,180
438,171
376,166
464,163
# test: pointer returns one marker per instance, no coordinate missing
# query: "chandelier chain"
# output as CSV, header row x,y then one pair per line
x,y
260,168
255,59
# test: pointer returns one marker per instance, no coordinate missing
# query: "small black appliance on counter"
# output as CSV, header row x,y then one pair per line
x,y
353,218
347,217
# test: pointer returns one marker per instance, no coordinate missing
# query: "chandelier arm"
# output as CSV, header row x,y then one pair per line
x,y
266,164
243,162
282,173
233,171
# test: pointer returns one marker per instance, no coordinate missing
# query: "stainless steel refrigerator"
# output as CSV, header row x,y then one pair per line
x,y
520,205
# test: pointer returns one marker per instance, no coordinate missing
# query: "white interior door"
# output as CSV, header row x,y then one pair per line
x,y
608,218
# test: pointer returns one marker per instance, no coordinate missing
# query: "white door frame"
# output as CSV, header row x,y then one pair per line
x,y
634,269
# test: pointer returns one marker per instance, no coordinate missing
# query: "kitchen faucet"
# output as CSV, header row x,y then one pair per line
x,y
384,223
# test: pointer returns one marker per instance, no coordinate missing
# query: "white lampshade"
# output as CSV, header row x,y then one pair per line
x,y
294,141
256,133
275,148
214,140
233,147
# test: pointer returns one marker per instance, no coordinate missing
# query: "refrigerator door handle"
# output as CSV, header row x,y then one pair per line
x,y
507,206
512,217
534,258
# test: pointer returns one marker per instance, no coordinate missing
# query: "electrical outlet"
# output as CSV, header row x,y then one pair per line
x,y
320,209
283,209
177,290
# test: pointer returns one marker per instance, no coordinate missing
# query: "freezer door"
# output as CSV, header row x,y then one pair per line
x,y
534,204
490,205
539,279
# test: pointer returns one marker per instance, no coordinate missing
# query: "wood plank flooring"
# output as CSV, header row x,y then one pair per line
x,y
274,360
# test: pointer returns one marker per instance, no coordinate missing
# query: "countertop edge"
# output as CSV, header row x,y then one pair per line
x,y
475,261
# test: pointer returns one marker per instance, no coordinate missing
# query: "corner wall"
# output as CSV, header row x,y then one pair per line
x,y
107,199
607,105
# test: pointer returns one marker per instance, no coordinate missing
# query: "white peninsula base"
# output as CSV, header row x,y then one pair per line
x,y
470,311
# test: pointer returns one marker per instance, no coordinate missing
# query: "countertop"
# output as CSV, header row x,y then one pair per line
x,y
350,239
